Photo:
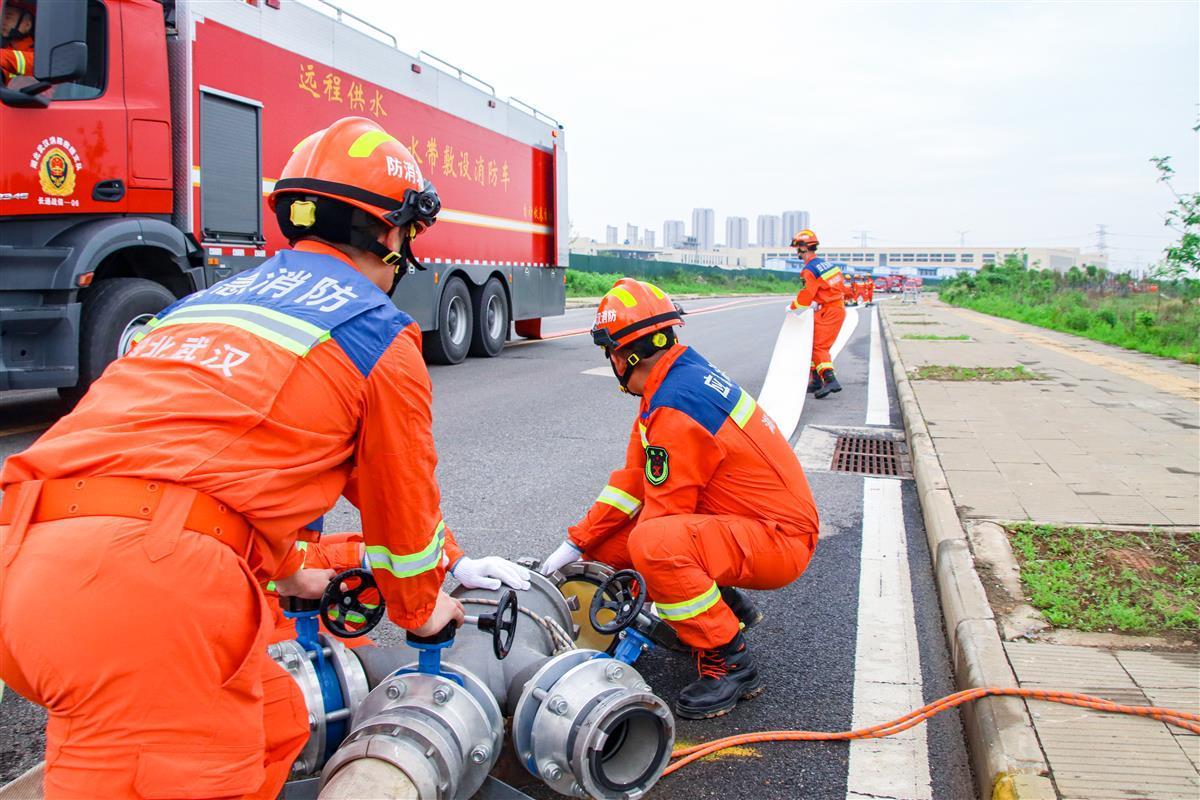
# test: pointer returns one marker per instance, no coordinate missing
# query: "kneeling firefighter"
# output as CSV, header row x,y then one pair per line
x,y
823,284
711,497
136,532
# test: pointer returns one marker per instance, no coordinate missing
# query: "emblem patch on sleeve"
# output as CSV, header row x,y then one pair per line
x,y
657,468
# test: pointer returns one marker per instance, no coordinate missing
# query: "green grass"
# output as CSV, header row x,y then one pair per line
x,y
595,284
1084,579
1092,307
940,372
933,337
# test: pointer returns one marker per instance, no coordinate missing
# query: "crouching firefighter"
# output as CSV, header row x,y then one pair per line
x,y
823,285
135,533
710,498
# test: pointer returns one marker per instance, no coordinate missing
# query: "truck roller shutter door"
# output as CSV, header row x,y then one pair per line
x,y
231,200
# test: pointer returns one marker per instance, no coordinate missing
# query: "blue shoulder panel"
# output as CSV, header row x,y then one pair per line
x,y
698,389
320,290
815,267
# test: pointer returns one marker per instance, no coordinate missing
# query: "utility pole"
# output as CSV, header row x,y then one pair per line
x,y
962,238
1101,244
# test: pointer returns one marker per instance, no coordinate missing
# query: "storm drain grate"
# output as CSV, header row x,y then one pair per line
x,y
868,456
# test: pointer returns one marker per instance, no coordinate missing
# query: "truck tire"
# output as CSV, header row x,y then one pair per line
x,y
112,312
490,331
452,339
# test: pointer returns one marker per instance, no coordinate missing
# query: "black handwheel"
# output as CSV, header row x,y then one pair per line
x,y
355,610
624,594
502,624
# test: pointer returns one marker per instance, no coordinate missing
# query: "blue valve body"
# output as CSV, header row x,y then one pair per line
x,y
307,630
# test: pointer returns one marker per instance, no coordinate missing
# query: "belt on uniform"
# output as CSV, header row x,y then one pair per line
x,y
132,498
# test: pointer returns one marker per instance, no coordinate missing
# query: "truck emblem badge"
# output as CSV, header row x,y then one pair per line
x,y
57,163
657,468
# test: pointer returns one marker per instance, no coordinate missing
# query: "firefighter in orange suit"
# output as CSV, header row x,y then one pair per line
x,y
135,534
823,285
869,290
16,41
849,291
711,497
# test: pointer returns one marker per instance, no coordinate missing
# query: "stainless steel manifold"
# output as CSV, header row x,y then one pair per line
x,y
584,723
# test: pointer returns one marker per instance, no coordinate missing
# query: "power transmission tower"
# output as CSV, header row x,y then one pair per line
x,y
962,238
1101,244
862,237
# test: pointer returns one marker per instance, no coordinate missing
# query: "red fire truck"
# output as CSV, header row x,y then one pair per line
x,y
135,161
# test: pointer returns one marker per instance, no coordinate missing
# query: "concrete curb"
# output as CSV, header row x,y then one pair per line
x,y
1005,754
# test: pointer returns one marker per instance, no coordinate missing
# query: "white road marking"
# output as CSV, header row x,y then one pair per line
x,y
601,371
887,663
877,394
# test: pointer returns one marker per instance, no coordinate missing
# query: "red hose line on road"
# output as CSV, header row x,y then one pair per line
x,y
1180,719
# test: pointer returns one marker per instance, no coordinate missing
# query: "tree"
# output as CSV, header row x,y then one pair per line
x,y
1183,259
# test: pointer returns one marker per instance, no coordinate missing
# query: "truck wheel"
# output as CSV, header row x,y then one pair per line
x,y
450,342
490,330
114,310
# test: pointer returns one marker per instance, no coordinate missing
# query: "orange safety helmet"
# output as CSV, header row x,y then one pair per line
x,y
360,165
806,238
636,316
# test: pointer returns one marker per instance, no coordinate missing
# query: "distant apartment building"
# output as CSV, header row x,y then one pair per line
x,y
673,232
704,228
610,234
769,230
737,233
793,221
631,234
648,239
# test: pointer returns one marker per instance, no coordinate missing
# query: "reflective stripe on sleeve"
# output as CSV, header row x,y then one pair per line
x,y
642,431
620,500
744,410
21,65
677,612
408,566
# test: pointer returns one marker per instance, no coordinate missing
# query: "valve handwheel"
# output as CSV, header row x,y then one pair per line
x,y
502,624
623,594
355,610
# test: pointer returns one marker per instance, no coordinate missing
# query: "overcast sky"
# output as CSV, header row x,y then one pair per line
x,y
1020,123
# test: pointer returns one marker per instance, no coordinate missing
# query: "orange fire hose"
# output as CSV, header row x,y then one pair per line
x,y
1180,719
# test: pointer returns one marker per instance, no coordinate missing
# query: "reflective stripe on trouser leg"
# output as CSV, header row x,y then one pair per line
x,y
692,607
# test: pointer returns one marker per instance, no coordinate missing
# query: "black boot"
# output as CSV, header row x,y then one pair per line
x,y
814,381
742,607
829,383
727,674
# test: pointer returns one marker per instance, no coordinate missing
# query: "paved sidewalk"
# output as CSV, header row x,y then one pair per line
x,y
1108,437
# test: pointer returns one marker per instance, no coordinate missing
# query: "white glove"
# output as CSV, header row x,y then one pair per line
x,y
567,553
489,573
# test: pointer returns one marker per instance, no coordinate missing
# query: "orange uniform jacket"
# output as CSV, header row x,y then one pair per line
x,y
16,59
266,392
822,284
723,455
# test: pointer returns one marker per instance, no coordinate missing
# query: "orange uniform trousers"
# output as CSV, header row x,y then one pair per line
x,y
688,555
148,648
827,322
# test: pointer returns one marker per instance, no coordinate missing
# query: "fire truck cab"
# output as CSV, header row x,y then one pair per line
x,y
139,139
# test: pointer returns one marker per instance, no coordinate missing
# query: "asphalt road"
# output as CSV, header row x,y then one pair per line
x,y
526,442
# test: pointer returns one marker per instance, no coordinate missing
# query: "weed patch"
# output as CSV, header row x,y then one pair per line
x,y
940,372
1093,580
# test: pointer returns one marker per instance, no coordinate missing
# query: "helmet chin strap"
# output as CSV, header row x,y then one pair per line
x,y
398,260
